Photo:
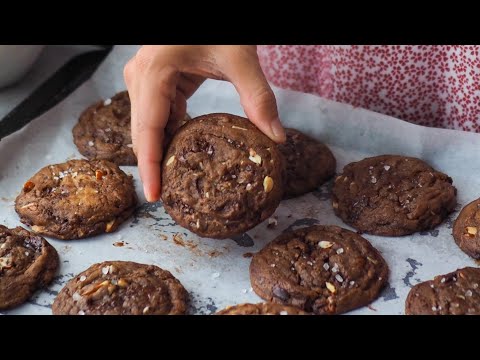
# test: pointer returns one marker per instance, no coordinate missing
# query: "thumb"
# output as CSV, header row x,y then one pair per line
x,y
256,95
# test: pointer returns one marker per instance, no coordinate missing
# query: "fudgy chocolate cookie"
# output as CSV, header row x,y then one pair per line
x,y
122,288
309,163
104,131
320,269
261,309
456,293
466,229
27,263
77,199
221,176
392,195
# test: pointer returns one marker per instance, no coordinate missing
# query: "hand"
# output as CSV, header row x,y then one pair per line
x,y
161,78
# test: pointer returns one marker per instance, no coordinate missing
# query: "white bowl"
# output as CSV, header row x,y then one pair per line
x,y
16,60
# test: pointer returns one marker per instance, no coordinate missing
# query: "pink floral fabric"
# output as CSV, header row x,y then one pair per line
x,y
432,85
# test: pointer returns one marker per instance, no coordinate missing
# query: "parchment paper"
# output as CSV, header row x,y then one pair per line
x,y
215,272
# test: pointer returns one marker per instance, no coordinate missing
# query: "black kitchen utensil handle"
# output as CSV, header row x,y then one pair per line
x,y
62,83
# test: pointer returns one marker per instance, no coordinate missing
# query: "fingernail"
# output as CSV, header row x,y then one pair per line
x,y
277,130
148,195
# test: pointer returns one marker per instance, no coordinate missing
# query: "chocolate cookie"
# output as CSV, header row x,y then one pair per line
x,y
261,309
309,163
456,293
221,176
465,229
122,288
77,199
392,195
320,269
104,131
27,263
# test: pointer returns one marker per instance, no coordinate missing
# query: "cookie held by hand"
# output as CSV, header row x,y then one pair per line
x,y
221,176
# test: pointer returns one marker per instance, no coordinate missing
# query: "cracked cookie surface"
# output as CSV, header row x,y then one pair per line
x,y
221,176
466,229
392,195
321,269
27,262
456,293
309,163
122,288
76,199
261,309
103,130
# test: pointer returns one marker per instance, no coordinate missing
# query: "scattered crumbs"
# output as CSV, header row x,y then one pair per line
x,y
214,253
371,308
90,143
119,244
283,312
340,251
248,255
244,291
107,102
289,216
272,223
177,239
215,275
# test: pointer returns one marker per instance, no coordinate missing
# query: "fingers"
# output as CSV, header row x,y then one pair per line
x,y
152,90
243,69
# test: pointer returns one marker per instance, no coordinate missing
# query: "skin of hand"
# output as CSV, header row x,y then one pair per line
x,y
161,78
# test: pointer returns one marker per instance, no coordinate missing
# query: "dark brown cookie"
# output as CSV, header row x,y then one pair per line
x,y
320,269
122,288
77,199
261,309
466,229
104,131
27,262
221,176
309,163
392,195
456,293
